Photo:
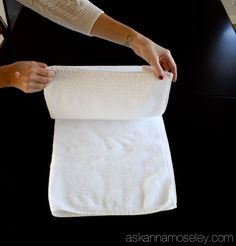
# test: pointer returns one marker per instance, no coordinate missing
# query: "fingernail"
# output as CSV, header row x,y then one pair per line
x,y
160,77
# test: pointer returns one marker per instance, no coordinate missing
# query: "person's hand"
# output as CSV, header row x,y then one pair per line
x,y
158,57
29,76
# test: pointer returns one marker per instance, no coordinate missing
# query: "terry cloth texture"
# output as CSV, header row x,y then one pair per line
x,y
110,152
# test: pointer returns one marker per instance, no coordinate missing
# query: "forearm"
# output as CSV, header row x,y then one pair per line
x,y
109,29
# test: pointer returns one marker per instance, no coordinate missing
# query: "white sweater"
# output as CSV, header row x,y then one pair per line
x,y
77,15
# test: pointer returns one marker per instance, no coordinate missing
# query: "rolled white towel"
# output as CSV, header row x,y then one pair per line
x,y
107,93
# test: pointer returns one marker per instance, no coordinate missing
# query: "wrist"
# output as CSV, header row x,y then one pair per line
x,y
5,73
136,41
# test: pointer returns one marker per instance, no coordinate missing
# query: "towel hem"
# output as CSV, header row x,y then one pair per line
x,y
62,214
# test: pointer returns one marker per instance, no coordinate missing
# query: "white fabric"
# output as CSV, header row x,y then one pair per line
x,y
111,92
109,167
77,15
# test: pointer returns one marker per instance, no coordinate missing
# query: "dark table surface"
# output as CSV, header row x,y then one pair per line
x,y
200,121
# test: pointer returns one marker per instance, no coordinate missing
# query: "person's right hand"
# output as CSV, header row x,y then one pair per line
x,y
29,76
158,57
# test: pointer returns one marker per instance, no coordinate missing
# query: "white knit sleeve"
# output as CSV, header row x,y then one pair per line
x,y
77,15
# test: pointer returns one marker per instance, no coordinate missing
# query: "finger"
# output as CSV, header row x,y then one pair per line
x,y
41,79
158,69
37,86
165,66
173,68
32,90
32,87
40,64
45,72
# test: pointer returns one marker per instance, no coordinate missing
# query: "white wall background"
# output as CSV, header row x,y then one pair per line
x,y
230,7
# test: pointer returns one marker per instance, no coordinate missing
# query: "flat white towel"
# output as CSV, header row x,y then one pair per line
x,y
115,166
